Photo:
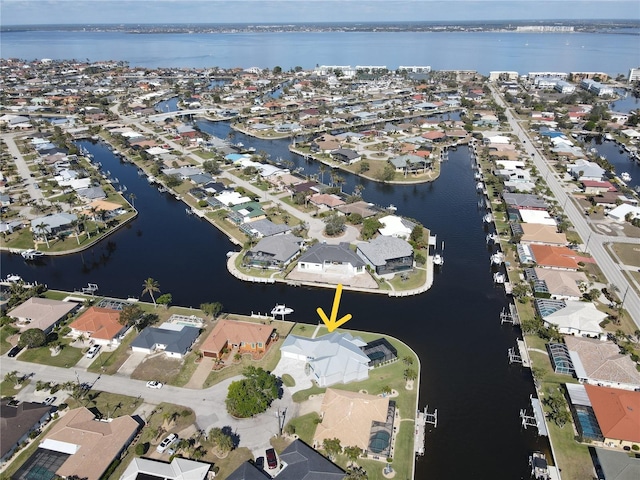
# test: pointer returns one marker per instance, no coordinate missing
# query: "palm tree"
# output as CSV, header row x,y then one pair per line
x,y
132,199
75,224
322,169
150,286
42,228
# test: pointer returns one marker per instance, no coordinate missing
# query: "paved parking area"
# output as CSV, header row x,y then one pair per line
x,y
295,368
131,363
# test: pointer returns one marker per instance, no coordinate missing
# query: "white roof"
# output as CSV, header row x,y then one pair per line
x,y
231,198
178,469
582,316
501,139
620,212
59,446
156,151
537,216
394,227
332,356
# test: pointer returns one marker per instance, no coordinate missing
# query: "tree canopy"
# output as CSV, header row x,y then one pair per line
x,y
32,338
252,395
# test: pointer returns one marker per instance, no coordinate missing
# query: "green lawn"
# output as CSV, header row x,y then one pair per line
x,y
67,358
112,361
108,404
8,389
305,426
5,346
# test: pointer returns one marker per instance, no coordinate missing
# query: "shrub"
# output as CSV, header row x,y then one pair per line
x,y
141,448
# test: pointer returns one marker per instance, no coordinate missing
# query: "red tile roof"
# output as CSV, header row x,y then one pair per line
x,y
617,411
99,323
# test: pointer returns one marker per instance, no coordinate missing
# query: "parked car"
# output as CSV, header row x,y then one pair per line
x,y
15,351
272,460
260,463
93,351
167,442
154,384
49,400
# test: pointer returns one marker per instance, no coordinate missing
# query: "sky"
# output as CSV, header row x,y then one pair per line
x,y
36,12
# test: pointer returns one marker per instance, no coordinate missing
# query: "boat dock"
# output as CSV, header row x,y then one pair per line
x,y
423,417
524,353
419,439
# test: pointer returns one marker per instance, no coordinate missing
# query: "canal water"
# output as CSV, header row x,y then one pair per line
x,y
618,157
454,327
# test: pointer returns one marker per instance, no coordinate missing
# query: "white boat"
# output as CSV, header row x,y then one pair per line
x,y
625,177
12,278
392,208
539,467
438,260
488,218
492,238
281,310
479,186
499,277
31,254
497,258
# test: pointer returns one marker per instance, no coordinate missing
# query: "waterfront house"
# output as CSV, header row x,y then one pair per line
x,y
357,419
100,325
386,255
245,337
524,201
542,234
572,317
333,358
616,411
245,213
53,224
346,155
362,208
338,259
601,363
585,170
395,226
593,187
266,228
410,163
326,200
614,464
83,445
273,252
559,284
172,339
562,258
17,421
42,313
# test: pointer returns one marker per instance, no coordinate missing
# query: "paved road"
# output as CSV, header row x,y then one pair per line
x,y
23,169
595,243
208,404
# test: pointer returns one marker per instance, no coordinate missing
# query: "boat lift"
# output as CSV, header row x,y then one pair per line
x,y
536,419
511,316
90,289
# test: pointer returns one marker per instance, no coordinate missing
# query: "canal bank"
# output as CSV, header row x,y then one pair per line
x,y
454,327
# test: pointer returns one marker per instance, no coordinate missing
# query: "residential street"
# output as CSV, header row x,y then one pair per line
x,y
595,243
208,405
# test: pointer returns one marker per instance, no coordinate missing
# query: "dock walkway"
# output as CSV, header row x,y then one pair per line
x,y
419,440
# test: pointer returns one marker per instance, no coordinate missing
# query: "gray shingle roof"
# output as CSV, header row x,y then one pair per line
x,y
267,228
322,252
177,341
282,247
382,249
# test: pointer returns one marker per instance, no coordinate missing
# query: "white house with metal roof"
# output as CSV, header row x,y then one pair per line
x,y
333,358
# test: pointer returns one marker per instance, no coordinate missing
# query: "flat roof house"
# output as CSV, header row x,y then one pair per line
x,y
41,313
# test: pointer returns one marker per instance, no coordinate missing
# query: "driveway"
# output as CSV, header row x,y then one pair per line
x,y
295,368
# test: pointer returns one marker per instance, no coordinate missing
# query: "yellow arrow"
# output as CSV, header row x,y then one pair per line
x,y
333,323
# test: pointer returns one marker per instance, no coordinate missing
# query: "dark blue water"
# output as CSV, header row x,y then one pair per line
x,y
454,327
617,157
612,53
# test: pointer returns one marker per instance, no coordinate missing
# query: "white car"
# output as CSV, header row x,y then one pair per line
x,y
166,443
154,384
93,351
49,401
